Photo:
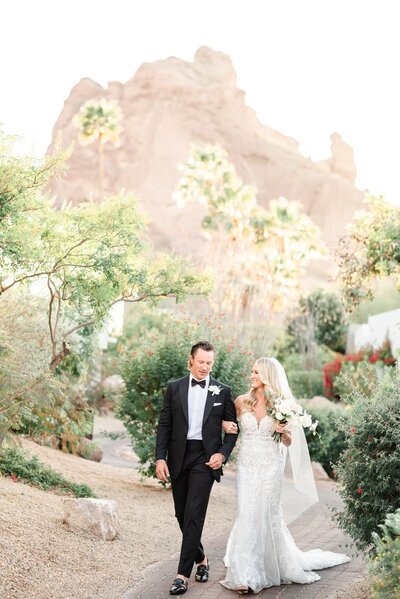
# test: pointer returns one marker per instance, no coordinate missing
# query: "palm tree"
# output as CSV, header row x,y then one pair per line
x,y
99,120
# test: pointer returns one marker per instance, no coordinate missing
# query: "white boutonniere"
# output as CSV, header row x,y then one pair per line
x,y
215,390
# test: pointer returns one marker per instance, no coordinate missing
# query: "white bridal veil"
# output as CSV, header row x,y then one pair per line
x,y
298,490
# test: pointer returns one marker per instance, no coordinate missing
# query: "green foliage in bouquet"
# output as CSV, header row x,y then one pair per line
x,y
369,468
22,467
385,567
163,356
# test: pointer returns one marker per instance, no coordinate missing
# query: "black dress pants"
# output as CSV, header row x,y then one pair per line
x,y
191,492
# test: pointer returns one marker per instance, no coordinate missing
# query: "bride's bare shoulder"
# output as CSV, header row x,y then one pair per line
x,y
239,401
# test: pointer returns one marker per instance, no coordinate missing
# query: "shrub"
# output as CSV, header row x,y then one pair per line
x,y
385,567
306,383
323,312
369,468
163,356
359,370
326,447
28,469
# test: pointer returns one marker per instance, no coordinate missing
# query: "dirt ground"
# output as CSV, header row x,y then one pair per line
x,y
41,559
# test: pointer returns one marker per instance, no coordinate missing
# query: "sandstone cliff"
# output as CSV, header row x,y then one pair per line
x,y
169,105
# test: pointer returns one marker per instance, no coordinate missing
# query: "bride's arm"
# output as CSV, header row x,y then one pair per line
x,y
231,427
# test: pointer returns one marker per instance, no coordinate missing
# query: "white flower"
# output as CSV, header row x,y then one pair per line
x,y
215,390
286,406
306,420
279,416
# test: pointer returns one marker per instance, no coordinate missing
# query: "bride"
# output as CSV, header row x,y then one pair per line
x,y
261,551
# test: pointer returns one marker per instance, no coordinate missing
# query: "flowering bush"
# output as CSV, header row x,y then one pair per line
x,y
369,468
346,371
385,567
163,356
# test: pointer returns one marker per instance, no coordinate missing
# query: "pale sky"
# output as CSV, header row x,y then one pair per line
x,y
308,67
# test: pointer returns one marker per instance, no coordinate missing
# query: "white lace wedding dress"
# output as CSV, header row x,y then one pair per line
x,y
261,551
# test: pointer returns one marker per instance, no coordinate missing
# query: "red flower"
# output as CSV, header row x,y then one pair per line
x,y
14,477
359,491
389,361
374,358
353,430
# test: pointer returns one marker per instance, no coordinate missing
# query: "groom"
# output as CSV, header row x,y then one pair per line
x,y
190,450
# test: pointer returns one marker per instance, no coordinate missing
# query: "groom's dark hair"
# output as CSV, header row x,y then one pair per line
x,y
206,345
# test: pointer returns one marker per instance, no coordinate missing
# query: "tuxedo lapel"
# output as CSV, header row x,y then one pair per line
x,y
183,393
209,401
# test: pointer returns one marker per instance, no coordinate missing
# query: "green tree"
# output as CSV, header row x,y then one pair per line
x,y
82,259
321,319
259,253
99,121
370,251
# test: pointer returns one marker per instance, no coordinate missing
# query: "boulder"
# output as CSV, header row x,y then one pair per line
x,y
95,516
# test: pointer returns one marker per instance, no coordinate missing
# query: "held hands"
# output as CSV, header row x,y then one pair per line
x,y
229,427
162,472
216,461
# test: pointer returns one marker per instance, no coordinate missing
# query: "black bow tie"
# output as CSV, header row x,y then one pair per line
x,y
201,383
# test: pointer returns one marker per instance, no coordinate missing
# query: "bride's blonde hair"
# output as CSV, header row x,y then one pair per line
x,y
269,376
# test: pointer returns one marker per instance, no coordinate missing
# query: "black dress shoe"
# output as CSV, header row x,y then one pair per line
x,y
179,586
202,572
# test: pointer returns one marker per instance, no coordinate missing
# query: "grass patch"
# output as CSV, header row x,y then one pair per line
x,y
22,467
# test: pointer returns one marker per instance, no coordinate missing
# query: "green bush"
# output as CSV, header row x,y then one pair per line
x,y
369,468
306,383
321,317
385,567
163,356
326,447
28,469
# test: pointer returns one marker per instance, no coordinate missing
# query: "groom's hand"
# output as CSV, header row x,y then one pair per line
x,y
216,461
162,472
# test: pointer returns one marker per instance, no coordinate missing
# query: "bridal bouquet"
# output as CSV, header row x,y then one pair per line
x,y
288,411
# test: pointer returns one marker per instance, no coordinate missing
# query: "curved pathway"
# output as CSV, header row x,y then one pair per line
x,y
313,529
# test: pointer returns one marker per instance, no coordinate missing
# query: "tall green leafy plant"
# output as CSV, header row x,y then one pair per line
x,y
385,565
163,356
369,468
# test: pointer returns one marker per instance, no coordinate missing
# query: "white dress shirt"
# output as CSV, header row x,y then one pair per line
x,y
197,397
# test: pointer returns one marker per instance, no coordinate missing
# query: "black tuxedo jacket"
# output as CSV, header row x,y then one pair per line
x,y
173,425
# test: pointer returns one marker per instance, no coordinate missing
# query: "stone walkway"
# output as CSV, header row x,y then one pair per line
x,y
314,529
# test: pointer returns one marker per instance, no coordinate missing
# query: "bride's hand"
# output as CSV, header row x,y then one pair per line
x,y
286,436
280,428
229,427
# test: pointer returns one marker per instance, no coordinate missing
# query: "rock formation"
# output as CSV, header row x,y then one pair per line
x,y
169,105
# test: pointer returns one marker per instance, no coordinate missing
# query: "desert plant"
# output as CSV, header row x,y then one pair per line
x,y
162,356
369,468
385,566
22,467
